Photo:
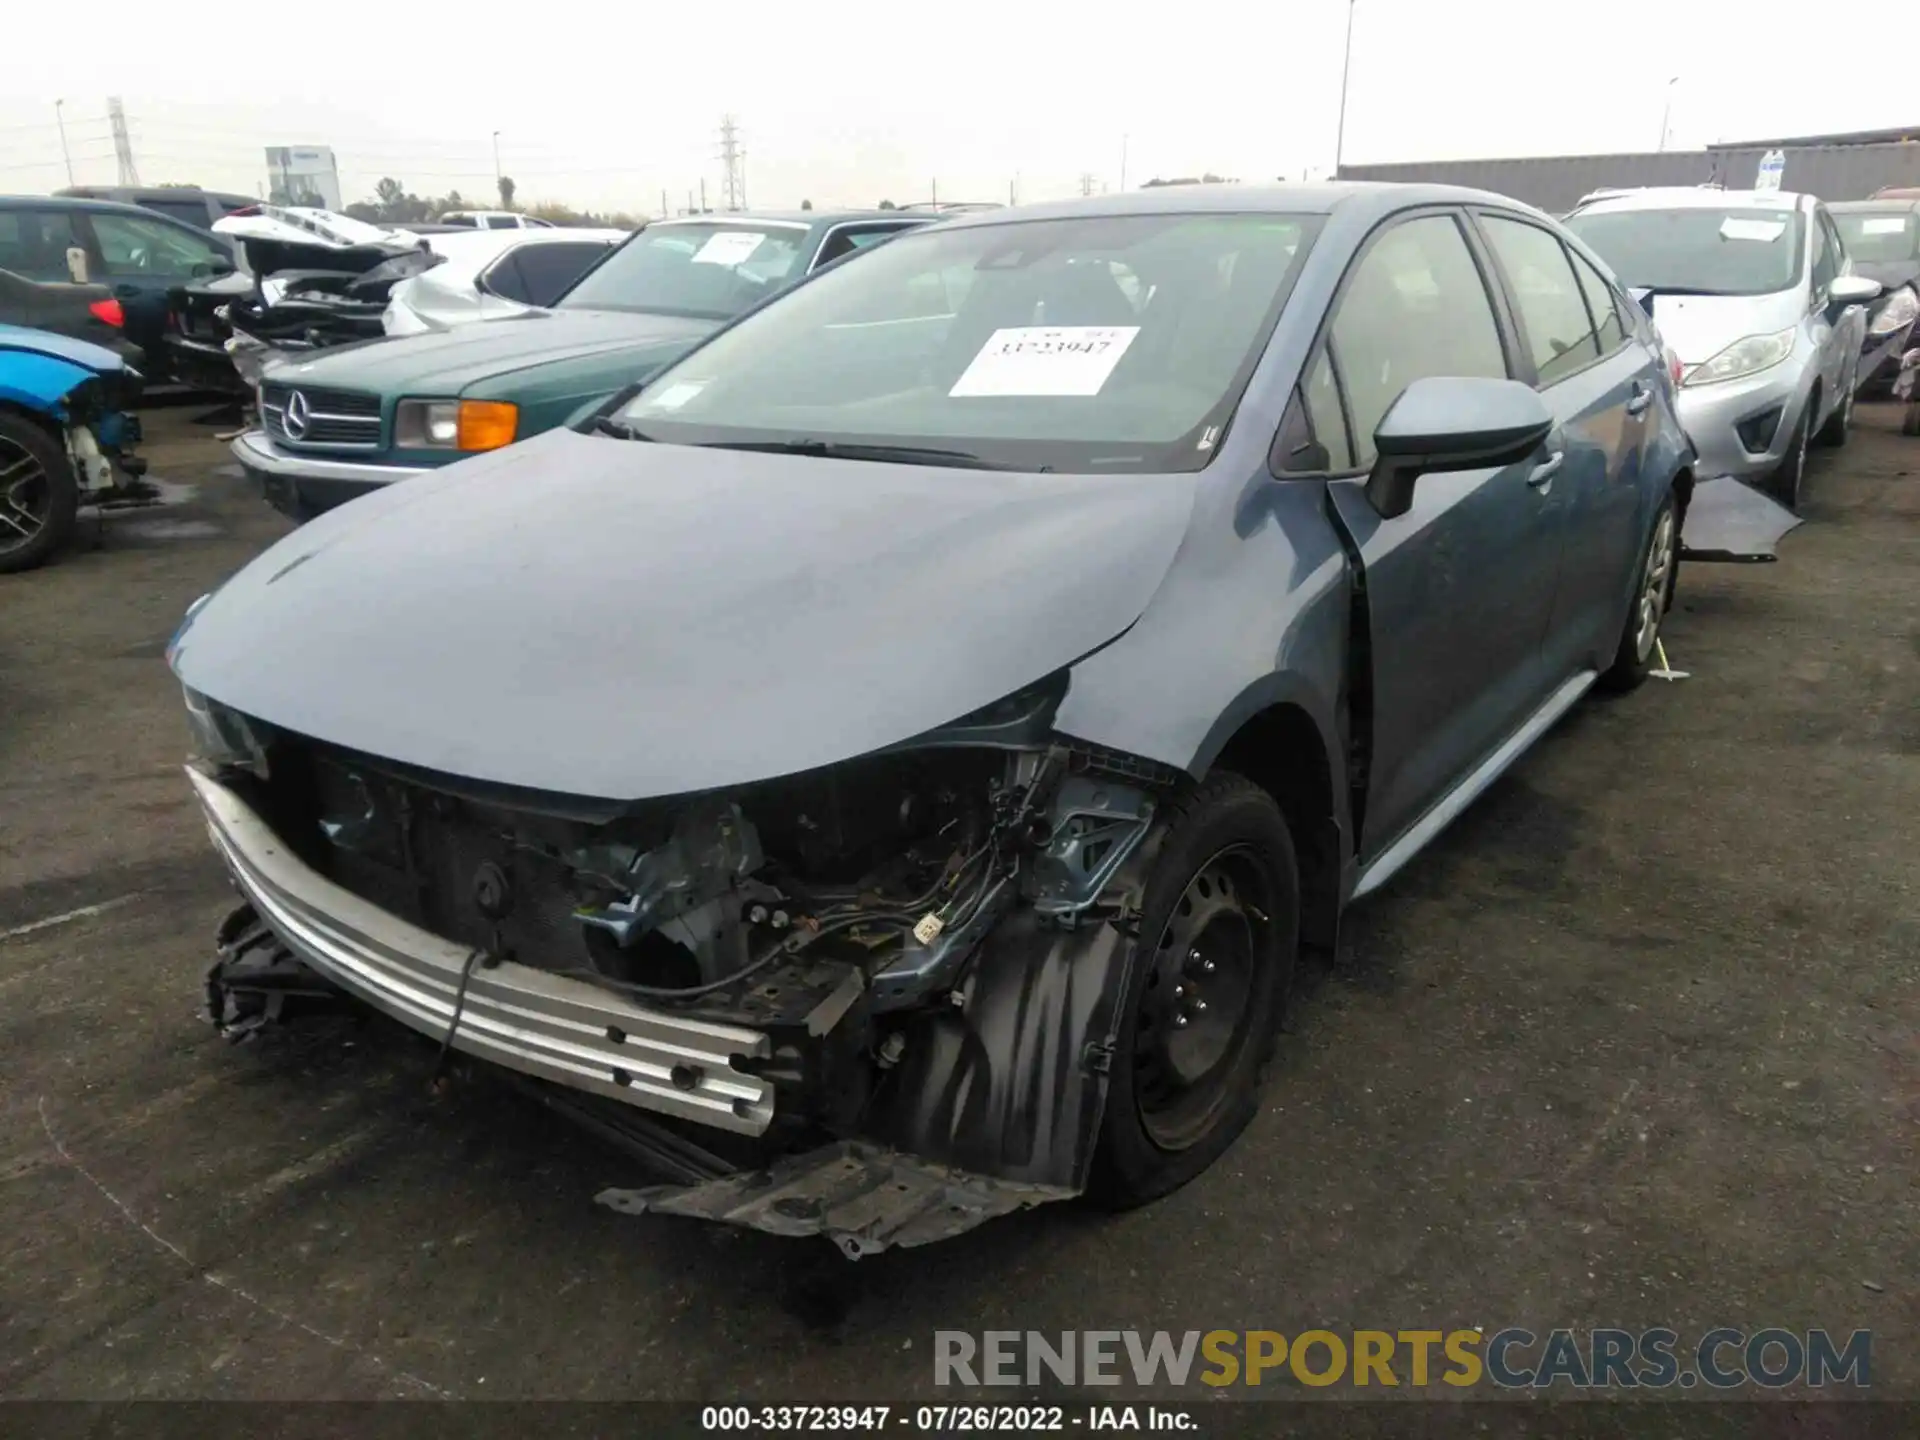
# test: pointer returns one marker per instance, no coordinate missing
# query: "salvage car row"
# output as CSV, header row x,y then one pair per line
x,y
878,707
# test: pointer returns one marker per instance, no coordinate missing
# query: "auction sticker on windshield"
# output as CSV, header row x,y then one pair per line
x,y
729,247
1736,228
1046,360
1883,225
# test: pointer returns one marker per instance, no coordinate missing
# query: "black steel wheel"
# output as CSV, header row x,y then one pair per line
x,y
1194,1015
1205,993
38,496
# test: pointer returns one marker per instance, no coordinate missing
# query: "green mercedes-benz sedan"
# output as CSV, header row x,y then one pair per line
x,y
359,417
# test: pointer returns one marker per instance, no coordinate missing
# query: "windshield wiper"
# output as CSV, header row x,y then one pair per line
x,y
846,450
607,425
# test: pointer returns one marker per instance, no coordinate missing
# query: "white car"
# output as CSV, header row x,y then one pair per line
x,y
495,220
492,275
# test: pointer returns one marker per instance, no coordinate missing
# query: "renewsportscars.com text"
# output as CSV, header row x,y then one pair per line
x,y
1512,1358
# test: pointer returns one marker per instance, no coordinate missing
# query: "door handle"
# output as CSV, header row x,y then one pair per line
x,y
1541,478
1642,398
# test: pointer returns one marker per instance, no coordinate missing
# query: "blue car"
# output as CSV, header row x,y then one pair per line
x,y
886,766
65,435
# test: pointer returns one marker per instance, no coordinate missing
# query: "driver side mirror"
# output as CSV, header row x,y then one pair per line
x,y
1448,422
1853,290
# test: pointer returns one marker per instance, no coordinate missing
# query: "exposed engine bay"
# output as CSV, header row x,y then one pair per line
x,y
886,923
312,279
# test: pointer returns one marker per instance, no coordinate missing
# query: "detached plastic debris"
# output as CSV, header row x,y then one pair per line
x,y
1731,523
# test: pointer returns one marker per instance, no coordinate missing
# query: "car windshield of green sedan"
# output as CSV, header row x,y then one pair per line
x,y
1108,344
706,271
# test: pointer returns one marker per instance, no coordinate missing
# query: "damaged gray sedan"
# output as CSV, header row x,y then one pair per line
x,y
884,769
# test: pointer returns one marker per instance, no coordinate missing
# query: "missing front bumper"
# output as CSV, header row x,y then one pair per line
x,y
513,1015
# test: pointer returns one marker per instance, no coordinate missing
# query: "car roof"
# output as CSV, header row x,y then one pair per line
x,y
792,217
1370,196
82,202
1689,197
1882,205
151,192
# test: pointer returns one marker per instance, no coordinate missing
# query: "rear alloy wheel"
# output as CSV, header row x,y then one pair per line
x,y
38,495
1205,994
1639,642
1785,483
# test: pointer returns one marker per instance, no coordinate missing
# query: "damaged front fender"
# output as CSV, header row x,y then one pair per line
x,y
994,1106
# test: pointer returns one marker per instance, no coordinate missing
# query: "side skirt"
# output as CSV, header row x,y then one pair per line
x,y
1422,831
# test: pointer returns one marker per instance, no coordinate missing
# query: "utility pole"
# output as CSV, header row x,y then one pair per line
x,y
936,192
1086,182
663,204
1346,69
1123,162
733,180
65,154
1666,112
496,160
703,195
122,142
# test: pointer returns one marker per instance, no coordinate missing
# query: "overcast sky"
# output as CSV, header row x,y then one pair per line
x,y
606,106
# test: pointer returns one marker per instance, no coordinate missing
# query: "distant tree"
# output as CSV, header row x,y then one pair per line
x,y
364,210
888,205
806,204
506,192
178,185
389,192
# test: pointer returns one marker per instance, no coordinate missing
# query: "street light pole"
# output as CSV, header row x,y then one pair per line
x,y
65,154
1346,69
496,159
1666,112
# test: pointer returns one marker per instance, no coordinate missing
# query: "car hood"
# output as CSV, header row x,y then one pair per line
x,y
591,616
446,362
1699,327
62,347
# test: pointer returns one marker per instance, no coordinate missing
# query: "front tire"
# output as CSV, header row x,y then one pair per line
x,y
1787,480
1659,562
1206,992
1834,433
39,496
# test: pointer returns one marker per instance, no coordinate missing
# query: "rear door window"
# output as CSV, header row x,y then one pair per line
x,y
139,245
1604,303
540,274
1553,311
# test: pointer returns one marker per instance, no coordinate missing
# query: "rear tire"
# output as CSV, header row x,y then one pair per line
x,y
38,495
1206,992
1634,657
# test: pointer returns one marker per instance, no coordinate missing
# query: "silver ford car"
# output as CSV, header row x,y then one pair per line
x,y
1756,294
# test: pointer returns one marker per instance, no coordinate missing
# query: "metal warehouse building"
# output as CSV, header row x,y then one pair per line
x,y
1834,167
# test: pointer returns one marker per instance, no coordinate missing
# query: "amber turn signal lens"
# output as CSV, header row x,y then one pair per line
x,y
487,424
